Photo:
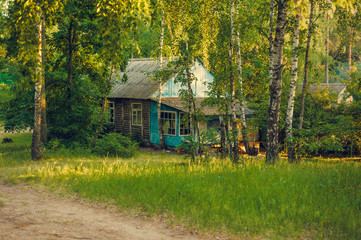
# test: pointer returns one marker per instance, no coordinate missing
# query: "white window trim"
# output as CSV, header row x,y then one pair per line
x,y
141,114
175,124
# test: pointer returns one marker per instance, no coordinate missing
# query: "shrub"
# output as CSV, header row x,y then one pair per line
x,y
114,144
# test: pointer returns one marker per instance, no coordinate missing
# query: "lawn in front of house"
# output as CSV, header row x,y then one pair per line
x,y
313,199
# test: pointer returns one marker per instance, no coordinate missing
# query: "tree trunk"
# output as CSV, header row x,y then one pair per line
x,y
36,148
304,87
242,102
223,137
291,98
276,84
160,84
71,42
232,92
327,48
44,128
104,105
270,37
349,53
190,101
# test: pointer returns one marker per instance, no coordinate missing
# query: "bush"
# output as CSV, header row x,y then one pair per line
x,y
114,144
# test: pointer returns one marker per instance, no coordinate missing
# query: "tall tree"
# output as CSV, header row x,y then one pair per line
x,y
27,22
291,98
160,84
232,89
276,83
36,150
242,99
305,76
116,23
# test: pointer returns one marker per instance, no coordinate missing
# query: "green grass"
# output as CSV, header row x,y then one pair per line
x,y
313,199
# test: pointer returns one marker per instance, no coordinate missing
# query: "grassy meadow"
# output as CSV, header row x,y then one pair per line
x,y
316,199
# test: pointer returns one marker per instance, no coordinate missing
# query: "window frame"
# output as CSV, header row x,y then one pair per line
x,y
180,124
136,112
175,122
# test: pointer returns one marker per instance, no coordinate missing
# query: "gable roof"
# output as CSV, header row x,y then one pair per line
x,y
139,84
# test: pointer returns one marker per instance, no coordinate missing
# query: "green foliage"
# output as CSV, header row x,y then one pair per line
x,y
74,120
206,138
314,145
114,144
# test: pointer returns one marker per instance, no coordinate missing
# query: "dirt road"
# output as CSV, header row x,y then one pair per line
x,y
31,214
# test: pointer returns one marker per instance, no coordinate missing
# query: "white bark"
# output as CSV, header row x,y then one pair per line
x,y
270,37
36,149
276,84
160,84
327,48
291,98
232,90
242,100
305,79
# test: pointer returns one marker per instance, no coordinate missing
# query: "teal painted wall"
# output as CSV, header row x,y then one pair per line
x,y
199,87
172,141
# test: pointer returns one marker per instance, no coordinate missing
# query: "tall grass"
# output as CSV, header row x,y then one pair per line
x,y
314,199
13,154
318,200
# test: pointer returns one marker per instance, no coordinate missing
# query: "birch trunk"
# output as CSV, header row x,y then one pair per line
x,y
305,77
242,102
44,128
327,48
232,91
36,149
190,101
349,54
291,98
276,84
160,84
270,37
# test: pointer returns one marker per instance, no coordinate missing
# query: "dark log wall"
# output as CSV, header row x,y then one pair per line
x,y
123,119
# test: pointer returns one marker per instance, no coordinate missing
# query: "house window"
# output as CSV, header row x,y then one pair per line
x,y
184,125
137,114
111,111
168,122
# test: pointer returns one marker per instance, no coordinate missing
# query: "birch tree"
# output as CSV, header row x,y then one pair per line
x,y
305,76
232,89
160,84
242,101
276,83
116,22
294,76
28,21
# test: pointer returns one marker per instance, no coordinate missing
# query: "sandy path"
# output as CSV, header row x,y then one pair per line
x,y
30,214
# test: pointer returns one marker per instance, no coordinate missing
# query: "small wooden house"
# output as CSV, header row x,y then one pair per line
x,y
134,103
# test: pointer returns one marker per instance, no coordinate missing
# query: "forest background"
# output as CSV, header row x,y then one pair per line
x,y
65,53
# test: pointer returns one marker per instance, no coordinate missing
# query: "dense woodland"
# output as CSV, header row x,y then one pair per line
x,y
57,59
